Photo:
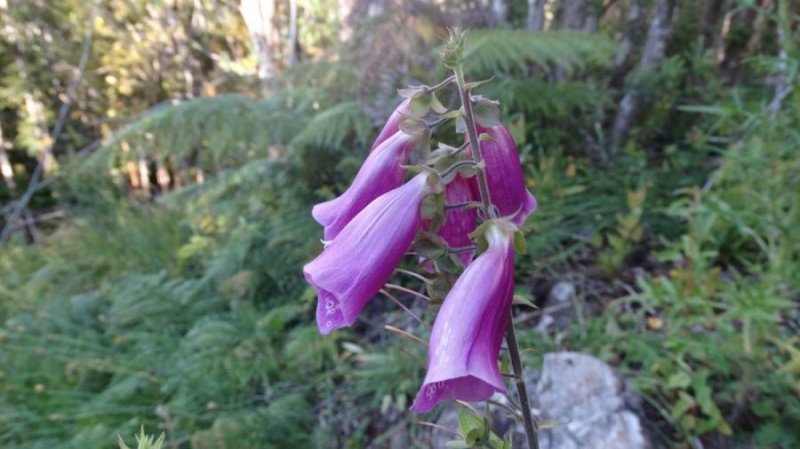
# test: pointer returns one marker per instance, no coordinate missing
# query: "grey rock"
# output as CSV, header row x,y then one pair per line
x,y
559,308
585,401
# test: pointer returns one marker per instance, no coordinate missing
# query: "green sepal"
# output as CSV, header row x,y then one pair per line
x,y
410,91
520,300
486,111
429,245
470,171
439,286
437,105
473,84
413,126
483,137
519,243
450,114
461,124
420,103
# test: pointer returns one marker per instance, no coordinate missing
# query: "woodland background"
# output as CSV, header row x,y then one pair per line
x,y
159,160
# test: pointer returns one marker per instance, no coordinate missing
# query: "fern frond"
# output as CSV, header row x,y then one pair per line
x,y
330,127
499,50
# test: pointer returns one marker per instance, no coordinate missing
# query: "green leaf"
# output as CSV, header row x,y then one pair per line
x,y
467,422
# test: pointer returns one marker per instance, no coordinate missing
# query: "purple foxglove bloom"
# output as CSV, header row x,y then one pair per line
x,y
380,173
459,223
355,265
393,124
504,174
466,336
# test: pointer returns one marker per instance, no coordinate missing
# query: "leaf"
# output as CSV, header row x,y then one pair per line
x,y
467,422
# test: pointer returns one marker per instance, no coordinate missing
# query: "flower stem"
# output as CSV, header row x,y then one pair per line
x,y
472,133
531,426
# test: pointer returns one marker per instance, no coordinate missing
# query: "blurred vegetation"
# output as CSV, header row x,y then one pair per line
x,y
154,278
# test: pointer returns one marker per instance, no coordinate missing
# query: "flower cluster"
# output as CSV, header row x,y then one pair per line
x,y
386,214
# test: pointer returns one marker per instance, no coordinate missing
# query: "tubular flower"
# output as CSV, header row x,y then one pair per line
x,y
460,222
466,337
356,264
380,173
504,174
393,124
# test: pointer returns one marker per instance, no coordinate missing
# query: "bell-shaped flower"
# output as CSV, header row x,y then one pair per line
x,y
380,173
393,124
504,175
468,331
459,222
356,264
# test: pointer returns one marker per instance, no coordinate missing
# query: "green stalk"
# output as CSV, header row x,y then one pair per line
x,y
531,427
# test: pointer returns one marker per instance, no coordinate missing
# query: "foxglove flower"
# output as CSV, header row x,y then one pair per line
x,y
459,223
356,264
380,173
466,336
504,175
393,124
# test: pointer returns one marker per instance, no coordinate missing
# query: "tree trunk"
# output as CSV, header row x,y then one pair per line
x,y
709,21
759,26
6,170
630,37
258,16
783,86
535,21
652,55
293,43
500,12
573,14
346,10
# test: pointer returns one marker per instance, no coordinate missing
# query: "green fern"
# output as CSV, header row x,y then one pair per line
x,y
502,50
330,127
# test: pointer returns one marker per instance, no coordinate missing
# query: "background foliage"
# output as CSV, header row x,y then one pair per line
x,y
154,279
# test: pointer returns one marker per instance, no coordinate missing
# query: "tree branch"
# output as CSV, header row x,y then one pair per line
x,y
55,133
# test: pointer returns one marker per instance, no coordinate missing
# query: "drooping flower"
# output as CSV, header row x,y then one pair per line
x,y
504,174
356,264
459,222
393,124
468,331
380,173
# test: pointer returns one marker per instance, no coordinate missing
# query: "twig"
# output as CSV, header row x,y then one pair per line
x,y
402,306
439,427
55,133
407,290
396,330
531,426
